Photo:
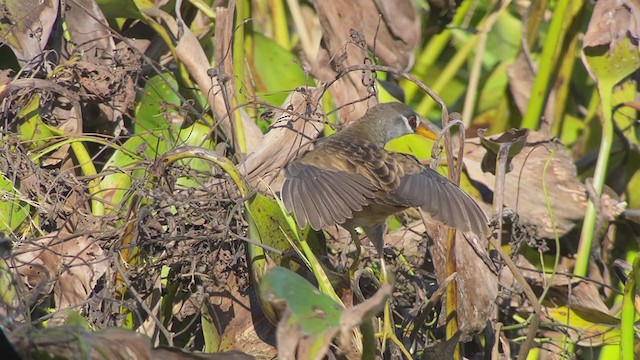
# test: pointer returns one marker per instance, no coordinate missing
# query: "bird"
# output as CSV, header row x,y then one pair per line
x,y
350,179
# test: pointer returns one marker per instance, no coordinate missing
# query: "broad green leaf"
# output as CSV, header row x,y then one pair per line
x,y
13,211
493,88
316,313
503,42
136,154
572,128
123,8
411,144
195,135
75,319
7,288
587,328
609,66
271,228
311,318
157,104
625,116
33,131
275,71
125,165
210,333
632,193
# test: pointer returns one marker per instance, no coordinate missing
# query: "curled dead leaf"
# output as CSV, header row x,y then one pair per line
x,y
70,266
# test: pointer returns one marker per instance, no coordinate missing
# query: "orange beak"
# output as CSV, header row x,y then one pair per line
x,y
423,130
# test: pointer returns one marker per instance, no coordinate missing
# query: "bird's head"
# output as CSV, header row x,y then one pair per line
x,y
388,121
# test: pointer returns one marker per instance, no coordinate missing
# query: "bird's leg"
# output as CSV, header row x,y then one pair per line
x,y
359,254
375,235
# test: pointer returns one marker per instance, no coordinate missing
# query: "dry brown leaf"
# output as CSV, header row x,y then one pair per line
x,y
477,281
611,21
294,128
69,267
524,191
389,29
243,325
33,22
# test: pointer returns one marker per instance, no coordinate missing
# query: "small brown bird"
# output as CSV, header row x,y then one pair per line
x,y
351,180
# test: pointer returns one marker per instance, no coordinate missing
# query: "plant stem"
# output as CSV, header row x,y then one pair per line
x,y
628,314
434,48
476,68
279,23
588,227
548,61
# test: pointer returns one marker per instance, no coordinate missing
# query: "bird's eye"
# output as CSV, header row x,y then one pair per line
x,y
413,122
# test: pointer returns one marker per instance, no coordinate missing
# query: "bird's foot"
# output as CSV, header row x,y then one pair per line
x,y
359,254
354,266
388,332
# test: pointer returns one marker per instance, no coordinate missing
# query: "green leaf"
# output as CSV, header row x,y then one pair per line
x,y
493,89
75,319
315,312
158,101
587,328
610,66
271,227
195,135
503,42
210,333
311,318
13,211
32,130
275,71
411,144
572,128
125,165
632,193
123,8
7,288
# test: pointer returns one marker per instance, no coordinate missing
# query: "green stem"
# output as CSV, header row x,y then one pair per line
x,y
224,163
548,60
240,49
628,315
279,23
563,79
588,227
206,9
301,28
476,68
448,73
434,48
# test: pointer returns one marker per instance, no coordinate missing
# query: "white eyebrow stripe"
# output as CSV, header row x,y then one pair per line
x,y
406,123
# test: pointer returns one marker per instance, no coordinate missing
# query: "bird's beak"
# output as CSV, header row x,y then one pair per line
x,y
423,130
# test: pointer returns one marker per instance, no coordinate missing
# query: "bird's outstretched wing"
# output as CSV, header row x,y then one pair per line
x,y
325,186
444,201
